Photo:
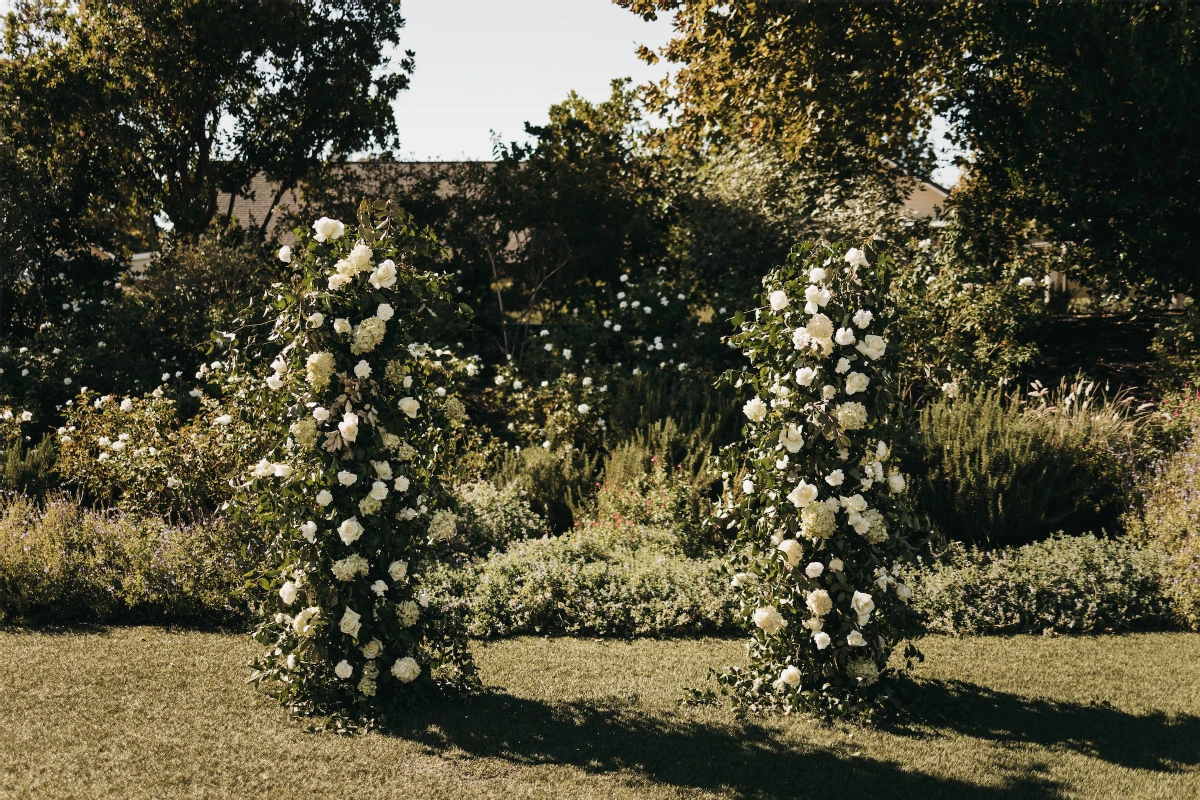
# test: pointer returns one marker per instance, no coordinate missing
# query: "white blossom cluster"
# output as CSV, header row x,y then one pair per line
x,y
820,514
351,484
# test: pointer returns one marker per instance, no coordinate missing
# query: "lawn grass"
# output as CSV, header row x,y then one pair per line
x,y
145,713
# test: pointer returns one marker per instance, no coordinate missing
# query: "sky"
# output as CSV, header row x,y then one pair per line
x,y
492,65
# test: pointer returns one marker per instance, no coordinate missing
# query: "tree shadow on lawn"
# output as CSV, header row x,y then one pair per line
x,y
1152,741
743,759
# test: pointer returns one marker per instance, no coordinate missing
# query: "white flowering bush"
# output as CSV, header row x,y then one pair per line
x,y
352,488
815,492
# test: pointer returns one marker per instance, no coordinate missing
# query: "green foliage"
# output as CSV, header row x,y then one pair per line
x,y
554,481
1169,521
493,518
28,471
966,316
660,478
1082,116
1066,584
608,578
60,563
1176,347
997,471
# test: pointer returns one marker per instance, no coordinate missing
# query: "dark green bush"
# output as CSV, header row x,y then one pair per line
x,y
598,580
60,563
995,471
1066,584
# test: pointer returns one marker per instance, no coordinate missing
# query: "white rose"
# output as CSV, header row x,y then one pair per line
x,y
855,639
410,406
770,620
349,624
821,640
362,369
341,325
828,392
406,670
950,389
384,275
324,498
779,300
343,670
862,603
383,470
790,676
896,482
326,228
862,318
755,410
372,649
802,495
584,408
791,438
801,339
805,375
856,382
835,478
283,471
814,569
792,550
385,311
379,490
287,593
126,405
816,275
903,592
337,281
855,504
397,570
843,366
347,478
285,254
224,419
836,564
350,530
1026,281
872,346
748,486
309,531
856,258
844,336
401,484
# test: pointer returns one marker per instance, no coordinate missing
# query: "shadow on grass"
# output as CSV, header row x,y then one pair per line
x,y
743,759
1153,741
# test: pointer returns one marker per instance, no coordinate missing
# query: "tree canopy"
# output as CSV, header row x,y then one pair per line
x,y
1081,118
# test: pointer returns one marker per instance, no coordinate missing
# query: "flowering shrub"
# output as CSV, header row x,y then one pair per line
x,y
1066,584
136,453
352,488
820,509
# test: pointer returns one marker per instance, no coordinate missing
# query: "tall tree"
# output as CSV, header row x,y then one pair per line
x,y
1083,117
178,100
